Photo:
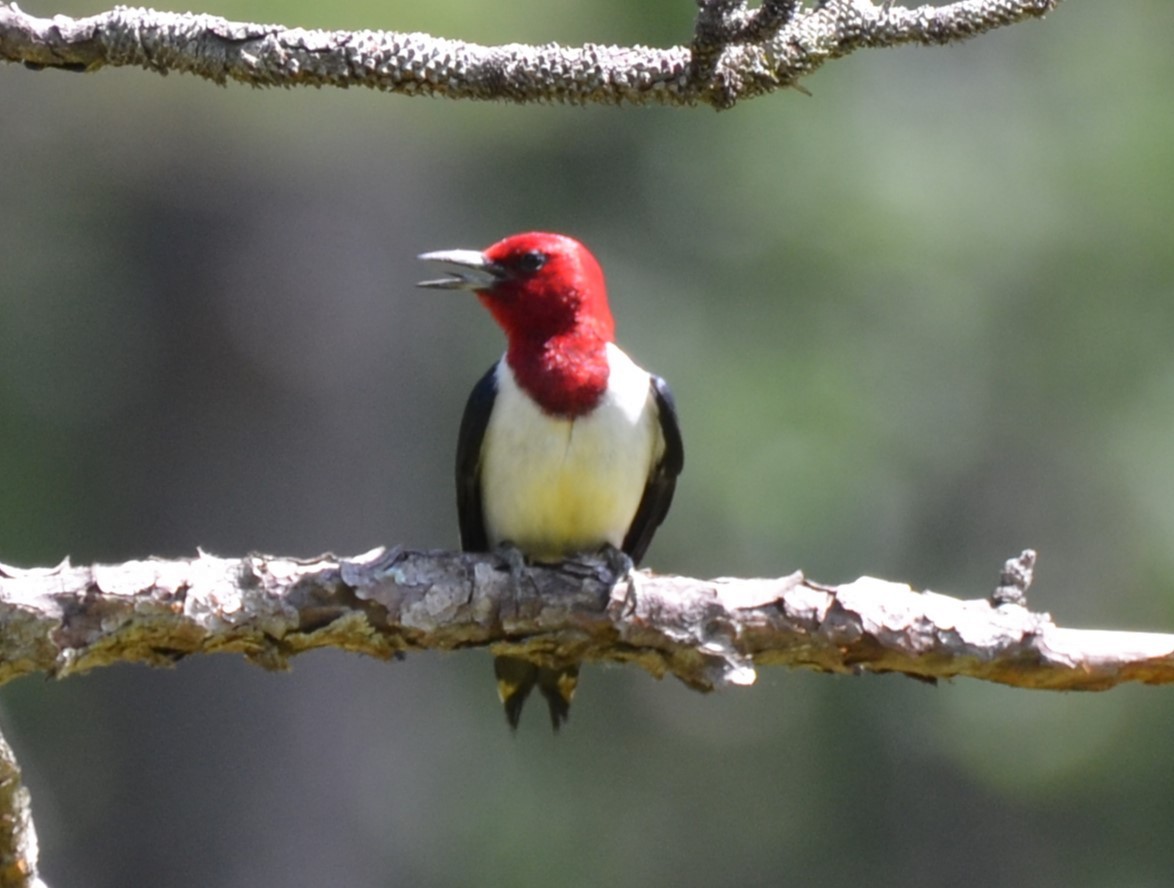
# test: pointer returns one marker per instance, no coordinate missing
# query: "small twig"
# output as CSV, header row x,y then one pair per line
x,y
711,34
1015,580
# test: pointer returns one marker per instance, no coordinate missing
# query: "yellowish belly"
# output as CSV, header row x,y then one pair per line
x,y
555,487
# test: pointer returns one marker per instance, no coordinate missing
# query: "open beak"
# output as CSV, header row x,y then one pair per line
x,y
470,271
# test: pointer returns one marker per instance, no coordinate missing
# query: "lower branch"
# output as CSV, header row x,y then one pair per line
x,y
18,839
707,633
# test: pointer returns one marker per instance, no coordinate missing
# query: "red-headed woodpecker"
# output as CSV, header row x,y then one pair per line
x,y
566,446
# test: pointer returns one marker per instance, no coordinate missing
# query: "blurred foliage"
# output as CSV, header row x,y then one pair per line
x,y
915,323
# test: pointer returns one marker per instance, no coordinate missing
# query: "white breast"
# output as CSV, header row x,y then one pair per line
x,y
553,486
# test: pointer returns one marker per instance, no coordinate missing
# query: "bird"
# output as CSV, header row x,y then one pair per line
x,y
566,446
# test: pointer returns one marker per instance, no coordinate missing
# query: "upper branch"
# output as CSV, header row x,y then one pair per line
x,y
735,52
705,632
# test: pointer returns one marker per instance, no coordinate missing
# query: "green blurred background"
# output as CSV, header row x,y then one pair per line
x,y
914,323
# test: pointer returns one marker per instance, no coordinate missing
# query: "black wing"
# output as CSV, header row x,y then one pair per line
x,y
658,493
469,513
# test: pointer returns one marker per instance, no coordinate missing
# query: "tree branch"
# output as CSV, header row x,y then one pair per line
x,y
18,838
735,52
707,633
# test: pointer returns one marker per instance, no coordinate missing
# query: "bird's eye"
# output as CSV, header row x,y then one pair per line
x,y
532,261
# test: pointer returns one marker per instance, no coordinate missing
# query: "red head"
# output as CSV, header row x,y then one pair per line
x,y
549,285
547,293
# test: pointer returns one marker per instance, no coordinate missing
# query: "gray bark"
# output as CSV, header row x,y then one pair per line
x,y
734,53
707,633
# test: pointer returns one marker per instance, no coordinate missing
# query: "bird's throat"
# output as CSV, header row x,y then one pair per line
x,y
565,375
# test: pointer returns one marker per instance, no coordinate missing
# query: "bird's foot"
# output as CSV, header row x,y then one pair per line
x,y
618,561
514,558
623,581
616,564
600,570
517,565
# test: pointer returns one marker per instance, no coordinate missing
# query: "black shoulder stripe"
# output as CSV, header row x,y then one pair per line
x,y
662,481
674,447
468,469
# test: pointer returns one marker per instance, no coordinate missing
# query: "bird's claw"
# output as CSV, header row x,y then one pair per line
x,y
514,558
618,562
516,564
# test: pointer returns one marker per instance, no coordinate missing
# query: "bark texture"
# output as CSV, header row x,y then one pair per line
x,y
735,52
18,838
707,633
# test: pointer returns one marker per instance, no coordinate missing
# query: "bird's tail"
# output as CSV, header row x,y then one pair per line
x,y
517,677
